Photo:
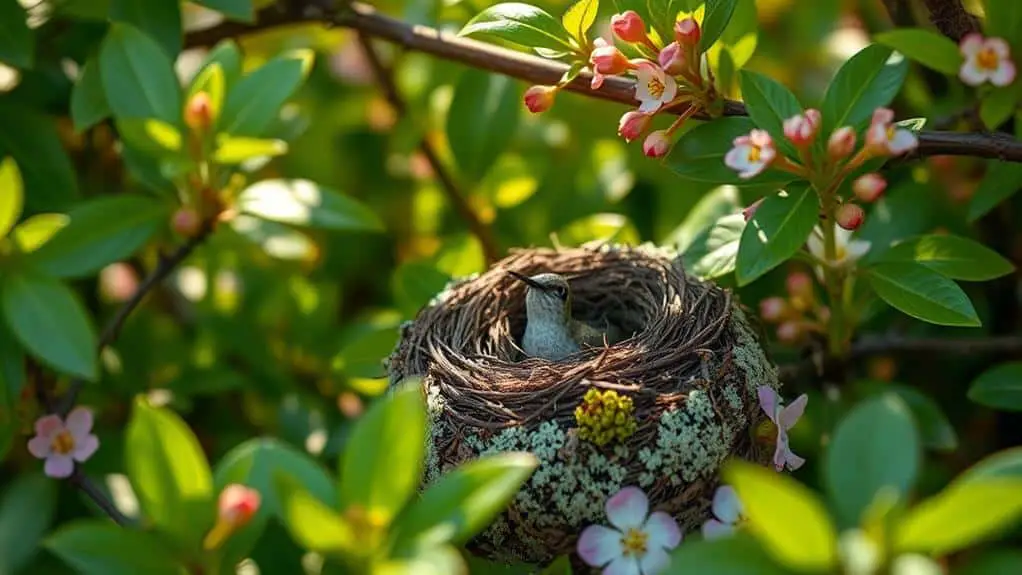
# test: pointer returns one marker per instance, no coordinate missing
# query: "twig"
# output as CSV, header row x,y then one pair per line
x,y
536,70
951,18
79,480
384,78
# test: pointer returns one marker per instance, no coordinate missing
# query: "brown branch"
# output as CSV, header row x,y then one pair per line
x,y
951,18
536,70
385,79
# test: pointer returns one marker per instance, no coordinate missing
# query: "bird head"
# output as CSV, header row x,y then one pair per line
x,y
548,295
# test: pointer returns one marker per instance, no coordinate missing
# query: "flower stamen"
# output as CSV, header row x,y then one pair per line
x,y
634,542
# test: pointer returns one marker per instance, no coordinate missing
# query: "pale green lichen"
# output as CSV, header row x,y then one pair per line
x,y
750,356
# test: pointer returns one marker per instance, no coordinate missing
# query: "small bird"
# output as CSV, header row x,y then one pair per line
x,y
550,331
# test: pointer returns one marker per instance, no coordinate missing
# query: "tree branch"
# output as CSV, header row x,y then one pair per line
x,y
385,79
951,18
536,70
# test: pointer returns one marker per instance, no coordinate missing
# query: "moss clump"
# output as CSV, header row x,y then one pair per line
x,y
604,416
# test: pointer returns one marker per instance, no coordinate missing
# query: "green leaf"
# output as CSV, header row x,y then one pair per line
x,y
26,512
212,81
769,103
699,154
240,10
99,547
1006,463
717,203
415,283
875,447
786,516
32,233
169,473
377,480
1001,181
50,321
735,555
464,501
1003,19
228,57
88,102
481,120
933,50
864,83
305,203
138,77
777,230
153,137
579,18
254,103
935,431
100,232
17,41
12,195
904,211
922,293
231,150
999,387
31,137
520,24
997,105
992,562
158,19
714,251
311,523
715,19
951,256
960,516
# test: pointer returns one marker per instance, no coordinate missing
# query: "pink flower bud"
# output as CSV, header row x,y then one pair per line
x,y
869,188
799,284
539,98
235,508
629,26
801,129
186,222
750,210
850,216
608,60
687,32
632,124
773,308
841,143
199,112
789,332
672,59
657,144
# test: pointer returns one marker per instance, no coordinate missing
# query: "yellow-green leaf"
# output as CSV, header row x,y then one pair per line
x,y
12,195
312,524
163,134
210,80
37,230
231,150
580,17
787,518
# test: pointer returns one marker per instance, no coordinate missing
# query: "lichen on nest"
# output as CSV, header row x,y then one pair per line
x,y
690,373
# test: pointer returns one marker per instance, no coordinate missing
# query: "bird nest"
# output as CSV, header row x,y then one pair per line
x,y
671,402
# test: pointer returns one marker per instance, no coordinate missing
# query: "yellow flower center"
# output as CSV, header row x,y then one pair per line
x,y
987,59
890,132
634,542
754,154
63,443
656,88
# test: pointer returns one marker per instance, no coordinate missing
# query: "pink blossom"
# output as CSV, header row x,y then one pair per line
x,y
672,59
637,541
687,32
986,59
629,26
751,154
869,187
61,443
727,514
841,143
606,60
654,88
884,137
801,129
657,144
632,124
784,419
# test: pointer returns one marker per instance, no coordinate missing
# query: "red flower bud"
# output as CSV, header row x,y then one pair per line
x,y
199,112
629,26
841,143
672,59
539,98
687,32
869,188
801,129
186,221
235,508
632,125
850,216
657,144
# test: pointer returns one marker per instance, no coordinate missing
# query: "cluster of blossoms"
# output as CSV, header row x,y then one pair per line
x,y
986,60
604,416
754,152
798,314
670,76
637,541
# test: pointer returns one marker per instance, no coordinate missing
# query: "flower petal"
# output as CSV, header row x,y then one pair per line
x,y
815,244
627,508
663,530
781,452
769,401
737,158
623,566
726,505
79,422
59,466
971,44
903,141
39,446
598,545
857,248
791,414
999,46
654,561
597,81
649,106
793,461
49,426
971,74
1004,75
670,89
85,447
714,529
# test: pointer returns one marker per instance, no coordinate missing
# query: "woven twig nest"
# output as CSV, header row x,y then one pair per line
x,y
690,371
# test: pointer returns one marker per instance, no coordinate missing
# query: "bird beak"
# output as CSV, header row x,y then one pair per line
x,y
527,280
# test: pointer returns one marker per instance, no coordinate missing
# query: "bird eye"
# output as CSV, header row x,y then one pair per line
x,y
561,292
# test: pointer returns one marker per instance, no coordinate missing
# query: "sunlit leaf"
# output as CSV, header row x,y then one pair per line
x,y
481,120
520,24
777,229
231,150
310,522
255,101
929,48
579,17
12,195
952,256
922,293
868,80
32,233
305,203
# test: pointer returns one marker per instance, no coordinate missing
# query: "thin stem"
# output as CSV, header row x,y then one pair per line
x,y
833,274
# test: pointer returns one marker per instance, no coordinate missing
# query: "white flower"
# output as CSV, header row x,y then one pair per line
x,y
885,137
728,514
751,154
847,250
637,544
986,59
654,88
784,418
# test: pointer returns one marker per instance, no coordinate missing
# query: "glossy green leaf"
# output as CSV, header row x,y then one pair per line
x,y
736,555
867,81
1006,463
364,356
138,77
277,240
99,547
929,48
305,203
26,512
997,105
521,24
32,138
904,211
579,17
17,40
1003,19
253,104
769,103
719,202
875,447
227,55
777,230
150,136
1000,182
716,17
951,256
922,293
169,473
992,562
32,233
662,14
231,150
999,387
786,517
49,319
240,10
158,19
311,523
481,120
100,232
464,501
12,195
935,431
961,515
714,251
380,481
212,81
699,154
88,102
